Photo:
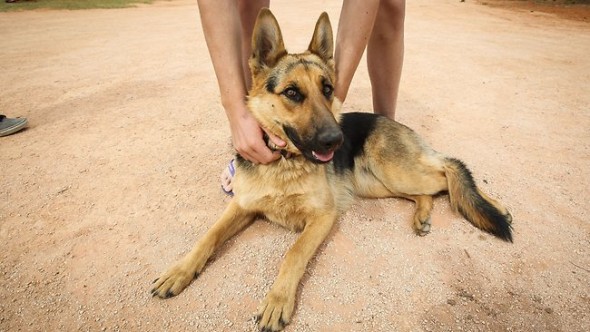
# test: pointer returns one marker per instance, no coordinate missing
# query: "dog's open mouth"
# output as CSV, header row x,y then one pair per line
x,y
323,156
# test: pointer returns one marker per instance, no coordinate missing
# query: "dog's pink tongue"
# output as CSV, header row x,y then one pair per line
x,y
324,156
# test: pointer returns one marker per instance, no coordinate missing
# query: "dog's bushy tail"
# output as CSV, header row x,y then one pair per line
x,y
482,211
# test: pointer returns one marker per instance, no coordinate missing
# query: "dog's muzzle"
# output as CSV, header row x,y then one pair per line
x,y
319,148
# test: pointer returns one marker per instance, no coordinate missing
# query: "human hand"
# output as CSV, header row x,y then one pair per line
x,y
247,138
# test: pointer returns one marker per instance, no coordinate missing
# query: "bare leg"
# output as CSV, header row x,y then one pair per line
x,y
385,55
354,30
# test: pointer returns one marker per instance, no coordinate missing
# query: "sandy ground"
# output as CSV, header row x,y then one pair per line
x,y
118,175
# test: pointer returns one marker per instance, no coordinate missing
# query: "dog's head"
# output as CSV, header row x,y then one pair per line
x,y
292,95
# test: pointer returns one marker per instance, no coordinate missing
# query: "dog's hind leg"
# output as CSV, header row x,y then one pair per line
x,y
173,281
422,223
278,305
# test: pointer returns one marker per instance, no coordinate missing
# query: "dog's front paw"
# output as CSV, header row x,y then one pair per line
x,y
173,281
274,313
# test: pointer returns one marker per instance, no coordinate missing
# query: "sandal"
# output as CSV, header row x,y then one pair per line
x,y
226,178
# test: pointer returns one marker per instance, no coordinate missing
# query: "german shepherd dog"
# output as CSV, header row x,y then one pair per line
x,y
329,159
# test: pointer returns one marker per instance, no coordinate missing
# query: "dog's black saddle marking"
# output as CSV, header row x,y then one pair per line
x,y
356,128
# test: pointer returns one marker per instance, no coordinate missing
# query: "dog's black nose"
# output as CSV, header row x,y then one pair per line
x,y
329,140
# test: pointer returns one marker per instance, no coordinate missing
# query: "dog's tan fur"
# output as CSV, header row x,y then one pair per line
x,y
304,191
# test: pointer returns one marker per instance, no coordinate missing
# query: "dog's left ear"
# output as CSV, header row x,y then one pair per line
x,y
322,42
267,42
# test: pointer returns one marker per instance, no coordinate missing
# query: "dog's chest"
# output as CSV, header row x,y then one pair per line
x,y
291,211
289,202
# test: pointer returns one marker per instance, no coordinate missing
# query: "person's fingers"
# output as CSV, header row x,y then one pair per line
x,y
267,156
254,149
263,156
247,138
275,139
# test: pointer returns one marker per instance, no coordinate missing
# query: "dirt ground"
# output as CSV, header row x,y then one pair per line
x,y
118,175
578,10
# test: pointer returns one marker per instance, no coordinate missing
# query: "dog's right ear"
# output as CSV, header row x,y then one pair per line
x,y
267,42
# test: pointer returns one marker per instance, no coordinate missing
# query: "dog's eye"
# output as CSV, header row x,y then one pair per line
x,y
327,90
293,94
